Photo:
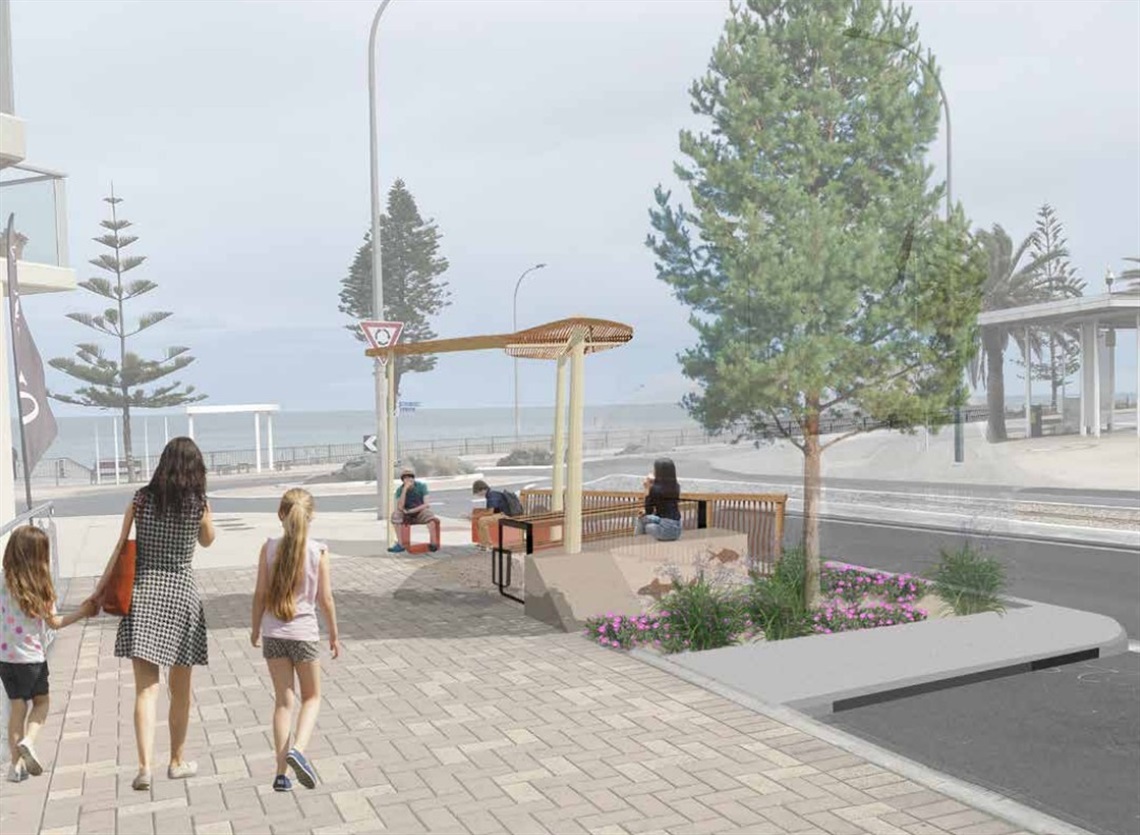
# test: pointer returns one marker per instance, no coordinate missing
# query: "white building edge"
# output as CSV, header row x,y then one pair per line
x,y
36,195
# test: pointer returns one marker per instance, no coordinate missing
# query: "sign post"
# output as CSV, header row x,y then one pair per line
x,y
384,335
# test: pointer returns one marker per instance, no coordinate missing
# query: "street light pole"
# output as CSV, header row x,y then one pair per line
x,y
959,439
383,465
515,327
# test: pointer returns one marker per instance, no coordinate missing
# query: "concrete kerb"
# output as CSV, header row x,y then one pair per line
x,y
820,674
982,799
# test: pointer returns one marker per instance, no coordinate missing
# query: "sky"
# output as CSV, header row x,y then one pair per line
x,y
236,131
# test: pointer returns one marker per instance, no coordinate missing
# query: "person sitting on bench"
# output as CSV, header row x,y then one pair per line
x,y
498,506
661,518
412,508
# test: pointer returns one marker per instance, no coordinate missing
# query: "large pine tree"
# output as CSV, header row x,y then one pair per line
x,y
1061,349
822,284
121,383
411,267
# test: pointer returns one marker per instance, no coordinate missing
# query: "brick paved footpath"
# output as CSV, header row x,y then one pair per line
x,y
449,711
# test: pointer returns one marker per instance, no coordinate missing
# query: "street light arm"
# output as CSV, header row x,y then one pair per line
x,y
518,284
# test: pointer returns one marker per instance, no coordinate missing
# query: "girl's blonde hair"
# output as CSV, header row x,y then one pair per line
x,y
295,513
27,571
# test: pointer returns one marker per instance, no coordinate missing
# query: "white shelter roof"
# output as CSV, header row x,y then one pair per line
x,y
1118,310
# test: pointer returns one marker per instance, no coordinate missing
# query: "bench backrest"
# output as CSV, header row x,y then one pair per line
x,y
759,515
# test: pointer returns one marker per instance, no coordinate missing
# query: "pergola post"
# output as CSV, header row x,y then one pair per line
x,y
572,537
190,426
390,417
1028,385
1110,375
257,439
558,474
269,431
1138,375
1086,384
1094,375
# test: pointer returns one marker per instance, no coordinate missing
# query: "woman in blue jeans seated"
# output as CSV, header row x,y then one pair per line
x,y
662,516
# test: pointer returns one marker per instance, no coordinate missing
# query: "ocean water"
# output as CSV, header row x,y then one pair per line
x,y
216,433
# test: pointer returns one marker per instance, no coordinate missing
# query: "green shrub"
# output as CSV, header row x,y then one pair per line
x,y
437,465
969,581
626,631
775,604
700,614
851,584
527,457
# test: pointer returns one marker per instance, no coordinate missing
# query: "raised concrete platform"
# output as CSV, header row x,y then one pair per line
x,y
824,673
624,575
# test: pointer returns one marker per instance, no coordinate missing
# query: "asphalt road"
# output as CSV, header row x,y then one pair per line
x,y
1064,740
1093,578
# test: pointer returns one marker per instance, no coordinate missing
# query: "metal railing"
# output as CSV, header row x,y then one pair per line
x,y
42,516
760,516
220,462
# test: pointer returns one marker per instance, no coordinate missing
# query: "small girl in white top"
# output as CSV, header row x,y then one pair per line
x,y
27,613
292,580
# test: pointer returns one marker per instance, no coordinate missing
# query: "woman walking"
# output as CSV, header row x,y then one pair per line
x,y
166,626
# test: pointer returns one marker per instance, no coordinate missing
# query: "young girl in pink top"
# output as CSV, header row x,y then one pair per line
x,y
27,614
292,580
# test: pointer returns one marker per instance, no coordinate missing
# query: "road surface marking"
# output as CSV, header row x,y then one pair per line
x,y
923,495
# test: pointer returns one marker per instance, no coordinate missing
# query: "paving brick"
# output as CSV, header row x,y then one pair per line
x,y
939,809
990,827
960,820
455,713
833,824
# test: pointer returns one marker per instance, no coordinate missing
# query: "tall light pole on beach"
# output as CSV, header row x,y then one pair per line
x,y
383,465
515,326
959,440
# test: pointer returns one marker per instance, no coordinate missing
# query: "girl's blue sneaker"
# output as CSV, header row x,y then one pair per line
x,y
302,768
397,549
281,783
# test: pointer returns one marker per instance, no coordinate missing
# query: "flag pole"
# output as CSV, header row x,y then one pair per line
x,y
10,240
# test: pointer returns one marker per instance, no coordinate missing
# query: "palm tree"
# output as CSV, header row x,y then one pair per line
x,y
1130,278
1008,284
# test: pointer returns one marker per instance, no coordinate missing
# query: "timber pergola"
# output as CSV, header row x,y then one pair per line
x,y
566,341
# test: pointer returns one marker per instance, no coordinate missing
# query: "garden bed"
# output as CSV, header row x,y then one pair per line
x,y
709,613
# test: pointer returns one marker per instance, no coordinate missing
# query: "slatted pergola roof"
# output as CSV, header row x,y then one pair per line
x,y
567,341
547,341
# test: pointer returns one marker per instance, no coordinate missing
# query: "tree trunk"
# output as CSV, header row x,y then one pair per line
x,y
1053,381
812,456
995,383
127,444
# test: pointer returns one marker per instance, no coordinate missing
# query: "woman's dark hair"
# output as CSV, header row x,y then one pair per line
x,y
665,477
179,480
